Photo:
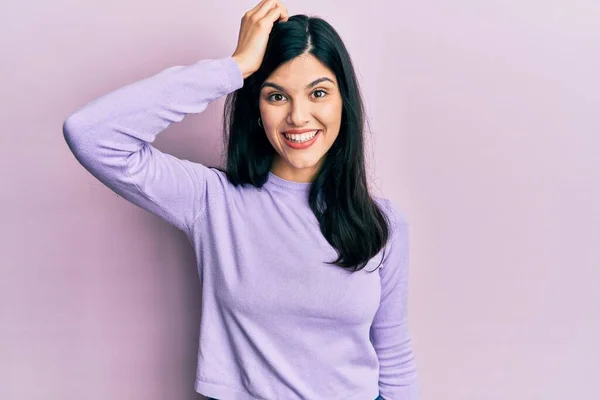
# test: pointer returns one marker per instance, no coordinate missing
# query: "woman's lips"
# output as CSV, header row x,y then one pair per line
x,y
303,145
296,131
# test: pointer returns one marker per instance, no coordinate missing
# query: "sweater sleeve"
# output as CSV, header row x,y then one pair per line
x,y
111,137
389,331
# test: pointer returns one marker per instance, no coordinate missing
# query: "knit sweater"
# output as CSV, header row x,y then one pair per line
x,y
277,321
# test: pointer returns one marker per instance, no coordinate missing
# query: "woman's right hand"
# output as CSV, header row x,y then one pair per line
x,y
254,34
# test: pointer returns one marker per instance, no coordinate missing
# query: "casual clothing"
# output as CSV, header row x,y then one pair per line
x,y
277,321
377,398
211,398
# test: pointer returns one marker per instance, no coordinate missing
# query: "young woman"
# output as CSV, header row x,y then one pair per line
x,y
304,273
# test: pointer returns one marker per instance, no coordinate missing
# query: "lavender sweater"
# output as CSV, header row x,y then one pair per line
x,y
277,322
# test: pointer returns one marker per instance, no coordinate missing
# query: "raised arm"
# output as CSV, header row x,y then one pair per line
x,y
111,137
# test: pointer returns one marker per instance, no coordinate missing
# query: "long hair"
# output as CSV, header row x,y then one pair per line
x,y
349,218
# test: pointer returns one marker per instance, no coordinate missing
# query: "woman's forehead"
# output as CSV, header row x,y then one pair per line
x,y
303,69
300,72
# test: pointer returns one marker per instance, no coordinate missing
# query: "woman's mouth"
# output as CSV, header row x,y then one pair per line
x,y
301,141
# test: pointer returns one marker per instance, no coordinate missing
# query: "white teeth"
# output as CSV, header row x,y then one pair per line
x,y
303,137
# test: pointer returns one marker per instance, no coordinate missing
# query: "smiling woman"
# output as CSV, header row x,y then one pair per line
x,y
304,273
298,120
300,115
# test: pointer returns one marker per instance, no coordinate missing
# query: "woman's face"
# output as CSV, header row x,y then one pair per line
x,y
301,94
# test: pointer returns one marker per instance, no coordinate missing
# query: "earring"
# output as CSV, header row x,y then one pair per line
x,y
259,122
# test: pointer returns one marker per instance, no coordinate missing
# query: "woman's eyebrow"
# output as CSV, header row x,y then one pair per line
x,y
313,83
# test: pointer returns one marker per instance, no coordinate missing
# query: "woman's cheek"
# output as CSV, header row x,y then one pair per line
x,y
330,113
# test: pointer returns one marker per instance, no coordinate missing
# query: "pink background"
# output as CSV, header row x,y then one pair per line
x,y
485,121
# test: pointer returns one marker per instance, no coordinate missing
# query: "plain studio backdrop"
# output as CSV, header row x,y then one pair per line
x,y
484,130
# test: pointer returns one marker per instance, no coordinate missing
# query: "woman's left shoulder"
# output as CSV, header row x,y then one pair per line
x,y
396,216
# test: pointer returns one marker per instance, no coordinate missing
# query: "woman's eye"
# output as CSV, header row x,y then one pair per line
x,y
271,97
280,97
322,91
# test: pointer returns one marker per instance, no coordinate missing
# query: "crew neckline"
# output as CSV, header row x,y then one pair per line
x,y
289,185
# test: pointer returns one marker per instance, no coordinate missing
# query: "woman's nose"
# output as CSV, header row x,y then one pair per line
x,y
299,114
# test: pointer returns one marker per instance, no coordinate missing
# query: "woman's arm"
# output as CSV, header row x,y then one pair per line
x,y
111,137
389,332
